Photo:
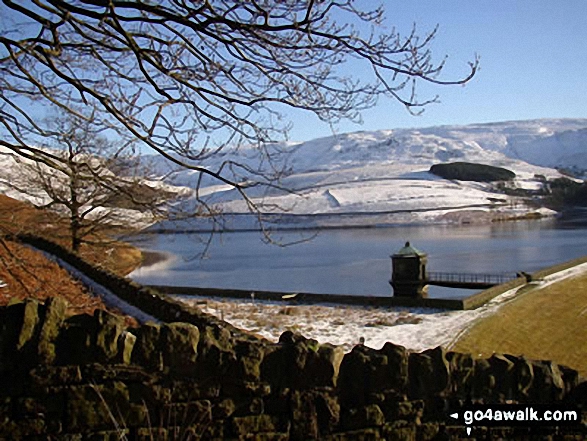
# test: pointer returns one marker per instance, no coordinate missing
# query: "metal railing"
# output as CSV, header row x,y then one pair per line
x,y
472,278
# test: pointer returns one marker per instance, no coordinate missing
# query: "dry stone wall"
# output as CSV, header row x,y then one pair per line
x,y
88,377
194,377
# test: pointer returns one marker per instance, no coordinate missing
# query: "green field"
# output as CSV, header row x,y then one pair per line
x,y
547,323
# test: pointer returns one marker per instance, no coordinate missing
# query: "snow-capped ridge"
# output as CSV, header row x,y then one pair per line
x,y
386,171
384,175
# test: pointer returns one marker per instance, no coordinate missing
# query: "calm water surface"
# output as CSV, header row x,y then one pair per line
x,y
356,261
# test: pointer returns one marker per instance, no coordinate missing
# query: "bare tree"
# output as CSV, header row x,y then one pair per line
x,y
191,80
100,187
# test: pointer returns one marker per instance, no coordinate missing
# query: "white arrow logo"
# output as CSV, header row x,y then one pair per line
x,y
456,417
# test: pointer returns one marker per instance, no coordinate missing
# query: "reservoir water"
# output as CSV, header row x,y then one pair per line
x,y
356,261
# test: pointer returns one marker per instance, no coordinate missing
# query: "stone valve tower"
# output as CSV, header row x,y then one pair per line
x,y
408,273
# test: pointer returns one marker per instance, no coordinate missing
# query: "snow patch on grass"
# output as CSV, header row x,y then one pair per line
x,y
415,328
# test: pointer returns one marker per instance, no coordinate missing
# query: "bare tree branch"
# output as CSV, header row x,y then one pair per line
x,y
92,184
196,80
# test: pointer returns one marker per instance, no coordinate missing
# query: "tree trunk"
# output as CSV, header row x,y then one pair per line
x,y
75,233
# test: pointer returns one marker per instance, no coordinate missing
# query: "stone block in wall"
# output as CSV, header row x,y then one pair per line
x,y
356,375
216,431
216,354
365,373
323,365
547,385
28,333
523,375
299,363
483,380
44,376
138,415
247,365
429,373
153,433
108,435
327,410
109,329
427,431
302,415
47,405
400,431
502,369
223,409
194,415
190,389
19,331
571,378
578,396
462,370
153,396
180,348
27,321
95,373
147,351
409,411
249,397
74,345
28,428
283,365
356,435
126,343
251,425
278,402
396,377
362,417
53,317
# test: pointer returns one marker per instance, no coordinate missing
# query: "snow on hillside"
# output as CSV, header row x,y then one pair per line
x,y
385,172
382,177
20,179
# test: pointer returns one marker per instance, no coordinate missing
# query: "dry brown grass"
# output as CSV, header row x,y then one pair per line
x,y
21,217
548,323
28,274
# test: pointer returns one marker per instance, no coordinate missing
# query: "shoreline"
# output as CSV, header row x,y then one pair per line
x,y
450,218
415,328
151,258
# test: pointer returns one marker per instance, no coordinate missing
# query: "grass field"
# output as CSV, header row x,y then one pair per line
x,y
545,324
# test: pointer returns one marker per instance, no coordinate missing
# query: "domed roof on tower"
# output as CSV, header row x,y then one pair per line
x,y
409,251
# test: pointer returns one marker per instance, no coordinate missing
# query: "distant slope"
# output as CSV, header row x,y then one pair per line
x,y
553,143
382,177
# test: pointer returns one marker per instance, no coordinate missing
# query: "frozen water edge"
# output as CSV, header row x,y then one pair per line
x,y
415,328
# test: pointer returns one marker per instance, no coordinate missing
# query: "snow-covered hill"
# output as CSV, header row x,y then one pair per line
x,y
43,186
382,177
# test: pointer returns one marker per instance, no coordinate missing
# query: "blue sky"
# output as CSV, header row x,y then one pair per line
x,y
533,64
